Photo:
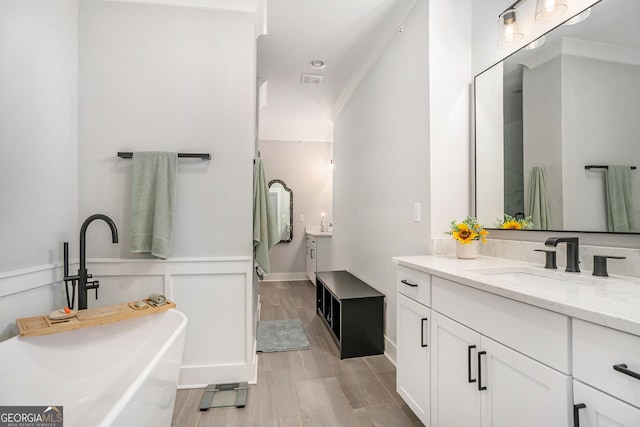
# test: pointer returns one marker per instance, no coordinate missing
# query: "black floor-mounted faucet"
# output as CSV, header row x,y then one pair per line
x,y
573,258
83,284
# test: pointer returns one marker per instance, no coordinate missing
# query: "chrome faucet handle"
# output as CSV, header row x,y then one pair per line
x,y
600,264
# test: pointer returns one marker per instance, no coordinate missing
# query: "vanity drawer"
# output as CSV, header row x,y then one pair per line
x,y
311,241
414,284
540,334
596,350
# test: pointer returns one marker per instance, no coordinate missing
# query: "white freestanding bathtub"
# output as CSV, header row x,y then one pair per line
x,y
120,374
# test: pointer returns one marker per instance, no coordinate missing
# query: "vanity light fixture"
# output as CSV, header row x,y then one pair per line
x,y
508,29
536,43
549,9
579,17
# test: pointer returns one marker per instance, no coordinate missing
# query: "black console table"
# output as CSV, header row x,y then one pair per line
x,y
353,311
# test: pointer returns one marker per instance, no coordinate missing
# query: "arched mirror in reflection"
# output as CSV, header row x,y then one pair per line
x,y
282,202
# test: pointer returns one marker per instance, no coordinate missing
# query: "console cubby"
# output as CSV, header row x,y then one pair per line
x,y
352,311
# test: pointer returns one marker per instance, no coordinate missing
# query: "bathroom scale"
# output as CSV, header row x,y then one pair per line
x,y
224,396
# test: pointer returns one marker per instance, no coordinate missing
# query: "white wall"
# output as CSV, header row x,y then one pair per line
x,y
600,104
87,81
381,153
38,113
449,121
542,144
305,168
38,166
169,79
489,127
175,79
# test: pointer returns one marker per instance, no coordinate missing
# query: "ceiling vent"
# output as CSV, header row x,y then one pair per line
x,y
311,78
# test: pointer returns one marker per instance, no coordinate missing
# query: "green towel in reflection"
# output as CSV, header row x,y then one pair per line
x,y
538,204
153,194
619,203
265,227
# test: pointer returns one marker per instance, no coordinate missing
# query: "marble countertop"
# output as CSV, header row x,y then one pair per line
x,y
317,233
612,301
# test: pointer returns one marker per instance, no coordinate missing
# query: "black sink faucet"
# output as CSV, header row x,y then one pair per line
x,y
81,278
573,258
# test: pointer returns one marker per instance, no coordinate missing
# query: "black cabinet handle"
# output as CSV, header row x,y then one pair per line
x,y
576,414
422,344
471,380
623,368
480,386
413,285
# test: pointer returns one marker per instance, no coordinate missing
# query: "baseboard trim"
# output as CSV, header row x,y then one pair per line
x,y
193,376
390,350
285,277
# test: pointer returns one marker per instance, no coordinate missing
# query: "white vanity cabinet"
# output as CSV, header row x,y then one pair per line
x,y
318,257
454,383
477,381
607,376
507,352
413,341
593,408
312,257
489,360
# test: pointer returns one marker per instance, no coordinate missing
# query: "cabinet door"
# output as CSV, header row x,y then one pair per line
x,y
311,264
412,376
454,380
521,391
602,410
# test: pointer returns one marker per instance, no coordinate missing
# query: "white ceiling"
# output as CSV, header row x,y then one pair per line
x,y
237,5
348,35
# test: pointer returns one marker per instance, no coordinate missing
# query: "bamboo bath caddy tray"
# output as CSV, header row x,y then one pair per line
x,y
43,325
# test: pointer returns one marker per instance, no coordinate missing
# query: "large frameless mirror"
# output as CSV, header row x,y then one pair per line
x,y
555,123
282,203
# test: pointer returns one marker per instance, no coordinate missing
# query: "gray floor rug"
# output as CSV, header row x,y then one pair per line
x,y
281,335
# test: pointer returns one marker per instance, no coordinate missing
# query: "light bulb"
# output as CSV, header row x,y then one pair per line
x,y
508,29
579,17
536,43
549,9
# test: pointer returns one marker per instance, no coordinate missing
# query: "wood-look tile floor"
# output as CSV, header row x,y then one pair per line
x,y
308,387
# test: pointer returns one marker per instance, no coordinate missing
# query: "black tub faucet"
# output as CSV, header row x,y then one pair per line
x,y
573,258
81,278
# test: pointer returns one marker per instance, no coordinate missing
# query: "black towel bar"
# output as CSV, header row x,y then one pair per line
x,y
587,167
203,156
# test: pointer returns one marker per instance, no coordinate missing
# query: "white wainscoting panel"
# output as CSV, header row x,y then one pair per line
x,y
216,294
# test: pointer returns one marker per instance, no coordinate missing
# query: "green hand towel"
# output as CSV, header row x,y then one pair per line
x,y
538,204
265,227
153,194
619,203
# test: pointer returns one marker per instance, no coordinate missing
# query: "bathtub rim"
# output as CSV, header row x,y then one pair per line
x,y
135,385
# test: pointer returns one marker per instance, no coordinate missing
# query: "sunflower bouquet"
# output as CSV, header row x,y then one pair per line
x,y
467,231
509,222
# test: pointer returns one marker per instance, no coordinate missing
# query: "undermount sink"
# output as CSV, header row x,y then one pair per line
x,y
523,275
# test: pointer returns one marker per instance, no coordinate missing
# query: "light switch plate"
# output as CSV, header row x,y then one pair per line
x,y
417,214
301,217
